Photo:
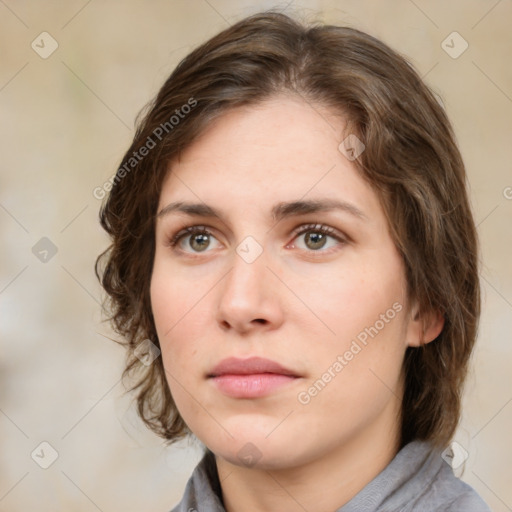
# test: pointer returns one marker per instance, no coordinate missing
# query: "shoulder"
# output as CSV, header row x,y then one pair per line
x,y
460,497
444,492
469,501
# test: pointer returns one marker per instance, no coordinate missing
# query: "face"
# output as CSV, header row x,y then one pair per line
x,y
258,268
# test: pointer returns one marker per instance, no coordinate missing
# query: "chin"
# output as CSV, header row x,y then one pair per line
x,y
255,451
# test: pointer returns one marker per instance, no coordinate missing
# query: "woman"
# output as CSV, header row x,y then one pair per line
x,y
291,230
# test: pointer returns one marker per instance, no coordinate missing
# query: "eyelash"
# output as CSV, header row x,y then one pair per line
x,y
316,228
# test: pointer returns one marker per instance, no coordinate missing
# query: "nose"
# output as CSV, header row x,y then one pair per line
x,y
248,300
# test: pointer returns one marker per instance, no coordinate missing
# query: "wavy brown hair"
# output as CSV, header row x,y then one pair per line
x,y
411,160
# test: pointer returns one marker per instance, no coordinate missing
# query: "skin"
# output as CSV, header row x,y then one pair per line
x,y
296,304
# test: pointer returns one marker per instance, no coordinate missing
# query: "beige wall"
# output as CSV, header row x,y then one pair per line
x,y
65,122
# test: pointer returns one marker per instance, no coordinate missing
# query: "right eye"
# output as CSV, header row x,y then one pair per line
x,y
197,238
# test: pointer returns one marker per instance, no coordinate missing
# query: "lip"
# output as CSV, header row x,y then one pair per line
x,y
250,366
250,378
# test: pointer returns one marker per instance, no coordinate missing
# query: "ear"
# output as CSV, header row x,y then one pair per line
x,y
423,328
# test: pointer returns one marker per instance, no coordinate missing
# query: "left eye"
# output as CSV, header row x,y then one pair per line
x,y
316,237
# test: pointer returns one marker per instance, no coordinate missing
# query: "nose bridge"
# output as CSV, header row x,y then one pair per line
x,y
249,266
247,294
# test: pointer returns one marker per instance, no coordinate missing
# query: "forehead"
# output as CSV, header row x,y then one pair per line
x,y
281,150
278,132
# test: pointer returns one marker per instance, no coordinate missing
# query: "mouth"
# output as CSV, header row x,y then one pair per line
x,y
250,378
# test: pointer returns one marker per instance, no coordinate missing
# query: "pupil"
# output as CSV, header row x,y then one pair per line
x,y
318,240
203,242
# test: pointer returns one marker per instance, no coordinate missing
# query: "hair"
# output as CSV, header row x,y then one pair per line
x,y
411,160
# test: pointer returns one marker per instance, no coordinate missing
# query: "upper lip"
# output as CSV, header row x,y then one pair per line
x,y
252,365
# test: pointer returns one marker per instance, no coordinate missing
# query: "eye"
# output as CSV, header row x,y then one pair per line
x,y
316,237
199,239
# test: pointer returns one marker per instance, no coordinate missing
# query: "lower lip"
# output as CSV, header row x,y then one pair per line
x,y
251,386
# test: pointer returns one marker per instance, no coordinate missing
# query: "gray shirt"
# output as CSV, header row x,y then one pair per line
x,y
416,480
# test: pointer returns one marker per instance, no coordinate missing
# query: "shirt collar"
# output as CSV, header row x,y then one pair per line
x,y
402,480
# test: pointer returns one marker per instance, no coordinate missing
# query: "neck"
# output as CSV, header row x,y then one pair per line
x,y
324,484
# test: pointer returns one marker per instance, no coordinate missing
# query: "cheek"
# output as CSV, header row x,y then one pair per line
x,y
174,298
179,347
352,381
362,354
356,296
174,307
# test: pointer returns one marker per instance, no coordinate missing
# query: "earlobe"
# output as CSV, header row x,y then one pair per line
x,y
425,328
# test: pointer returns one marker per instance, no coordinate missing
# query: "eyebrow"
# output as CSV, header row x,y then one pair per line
x,y
279,211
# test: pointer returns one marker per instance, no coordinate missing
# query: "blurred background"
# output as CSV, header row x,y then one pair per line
x,y
73,76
